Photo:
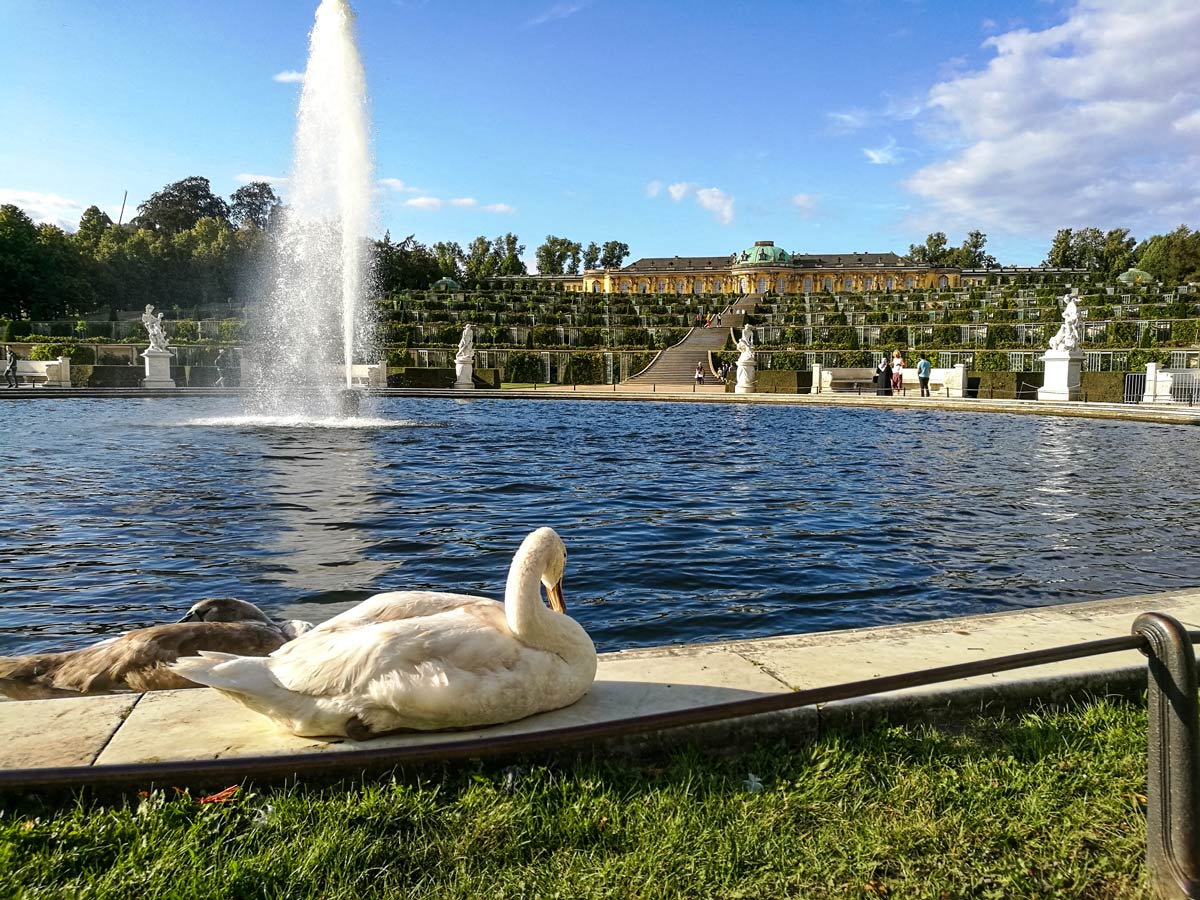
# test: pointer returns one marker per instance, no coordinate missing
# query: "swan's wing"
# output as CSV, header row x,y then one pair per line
x,y
347,660
399,605
137,660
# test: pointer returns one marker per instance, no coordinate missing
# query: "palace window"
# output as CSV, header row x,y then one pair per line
x,y
848,284
808,284
909,281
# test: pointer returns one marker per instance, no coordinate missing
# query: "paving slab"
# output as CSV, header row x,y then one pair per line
x,y
205,724
69,731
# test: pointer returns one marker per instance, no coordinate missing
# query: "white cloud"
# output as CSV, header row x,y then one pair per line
x,y
847,121
717,202
555,12
499,208
886,155
288,76
712,199
1090,122
247,177
806,203
463,201
424,202
397,185
49,208
680,190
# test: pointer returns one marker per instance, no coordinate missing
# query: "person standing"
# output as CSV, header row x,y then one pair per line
x,y
923,367
883,377
699,373
897,372
10,368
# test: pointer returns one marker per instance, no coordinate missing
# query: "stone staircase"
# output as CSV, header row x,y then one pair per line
x,y
677,365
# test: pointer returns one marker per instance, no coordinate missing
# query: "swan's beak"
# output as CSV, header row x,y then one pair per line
x,y
190,616
555,595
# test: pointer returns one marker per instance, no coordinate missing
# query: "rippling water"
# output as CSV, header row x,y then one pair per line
x,y
684,522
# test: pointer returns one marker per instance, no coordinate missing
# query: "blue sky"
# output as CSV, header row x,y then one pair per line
x,y
680,128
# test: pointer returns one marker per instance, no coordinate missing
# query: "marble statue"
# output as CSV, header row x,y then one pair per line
x,y
746,373
1062,364
154,327
464,360
1068,337
466,345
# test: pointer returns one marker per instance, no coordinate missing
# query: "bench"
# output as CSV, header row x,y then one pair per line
x,y
950,382
44,373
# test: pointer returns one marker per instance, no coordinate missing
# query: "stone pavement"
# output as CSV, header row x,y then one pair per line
x,y
173,726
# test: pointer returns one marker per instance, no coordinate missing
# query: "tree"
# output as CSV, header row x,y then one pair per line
x,y
92,225
1172,258
971,255
253,204
1087,249
450,258
553,254
18,262
612,254
507,251
1062,254
1118,252
933,252
179,206
591,256
406,265
480,263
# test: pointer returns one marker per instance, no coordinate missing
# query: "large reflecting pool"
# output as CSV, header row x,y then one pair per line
x,y
683,522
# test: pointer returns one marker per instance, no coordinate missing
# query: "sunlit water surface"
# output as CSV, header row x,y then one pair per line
x,y
684,523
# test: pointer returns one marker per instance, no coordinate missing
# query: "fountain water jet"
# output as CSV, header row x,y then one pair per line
x,y
313,320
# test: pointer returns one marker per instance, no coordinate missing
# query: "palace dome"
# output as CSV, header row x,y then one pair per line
x,y
763,253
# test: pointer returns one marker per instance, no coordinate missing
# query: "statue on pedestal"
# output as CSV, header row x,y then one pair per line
x,y
1063,362
746,371
464,359
1068,337
154,327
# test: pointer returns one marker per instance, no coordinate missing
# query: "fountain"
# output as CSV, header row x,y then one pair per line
x,y
313,322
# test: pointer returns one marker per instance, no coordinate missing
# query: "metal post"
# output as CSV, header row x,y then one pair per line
x,y
1172,759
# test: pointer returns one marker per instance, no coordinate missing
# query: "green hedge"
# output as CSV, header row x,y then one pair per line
x,y
1102,387
412,377
524,367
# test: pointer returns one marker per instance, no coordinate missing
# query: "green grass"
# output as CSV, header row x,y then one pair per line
x,y
1041,805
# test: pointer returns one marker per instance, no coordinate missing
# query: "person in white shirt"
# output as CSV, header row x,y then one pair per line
x,y
897,372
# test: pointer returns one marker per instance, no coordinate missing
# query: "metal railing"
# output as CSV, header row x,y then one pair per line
x,y
1172,758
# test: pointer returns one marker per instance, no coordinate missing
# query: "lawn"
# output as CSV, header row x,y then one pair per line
x,y
1045,804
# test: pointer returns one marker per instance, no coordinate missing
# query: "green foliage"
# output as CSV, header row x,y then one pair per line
x,y
789,360
180,206
229,331
895,336
524,367
45,352
1000,336
1139,357
1183,332
991,361
253,204
185,330
586,368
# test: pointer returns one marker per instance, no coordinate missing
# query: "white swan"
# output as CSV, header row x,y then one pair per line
x,y
424,661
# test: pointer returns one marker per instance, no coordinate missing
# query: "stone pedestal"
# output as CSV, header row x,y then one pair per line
x,y
1063,370
464,371
747,379
158,369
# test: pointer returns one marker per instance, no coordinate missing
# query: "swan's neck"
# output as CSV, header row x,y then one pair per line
x,y
527,614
